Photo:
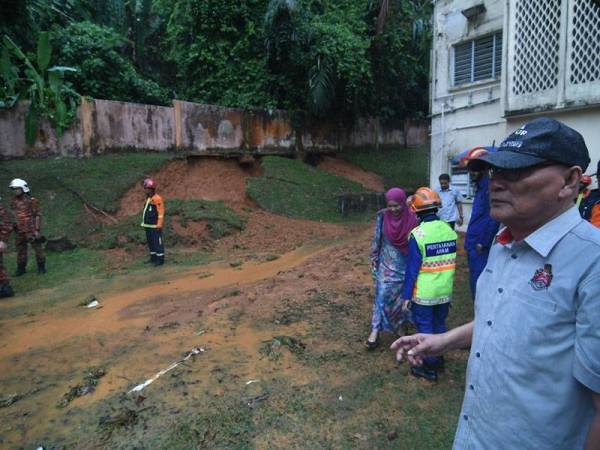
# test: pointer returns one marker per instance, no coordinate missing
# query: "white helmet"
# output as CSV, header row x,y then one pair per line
x,y
19,183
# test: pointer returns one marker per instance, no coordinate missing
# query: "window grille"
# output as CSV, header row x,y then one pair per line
x,y
553,54
585,43
477,60
537,44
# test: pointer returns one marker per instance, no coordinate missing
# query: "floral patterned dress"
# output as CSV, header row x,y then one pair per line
x,y
388,264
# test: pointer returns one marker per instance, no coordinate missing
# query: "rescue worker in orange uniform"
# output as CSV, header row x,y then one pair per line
x,y
28,220
589,205
153,218
5,230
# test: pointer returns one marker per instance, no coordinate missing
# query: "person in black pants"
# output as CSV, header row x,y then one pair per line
x,y
153,220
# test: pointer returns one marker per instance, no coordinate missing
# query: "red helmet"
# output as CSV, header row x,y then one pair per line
x,y
149,183
586,180
474,153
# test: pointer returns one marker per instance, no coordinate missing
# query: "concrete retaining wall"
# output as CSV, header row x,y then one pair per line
x,y
109,126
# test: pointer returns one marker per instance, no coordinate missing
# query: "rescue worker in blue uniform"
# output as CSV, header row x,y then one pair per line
x,y
482,229
153,220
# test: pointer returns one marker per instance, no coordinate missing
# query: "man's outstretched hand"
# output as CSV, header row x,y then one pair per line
x,y
418,346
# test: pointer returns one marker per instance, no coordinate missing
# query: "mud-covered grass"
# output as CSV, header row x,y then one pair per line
x,y
403,167
220,221
284,367
294,189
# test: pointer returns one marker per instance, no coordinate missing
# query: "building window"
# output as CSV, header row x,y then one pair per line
x,y
553,55
477,60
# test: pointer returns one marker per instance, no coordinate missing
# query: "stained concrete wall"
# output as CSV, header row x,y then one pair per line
x,y
12,137
124,126
110,126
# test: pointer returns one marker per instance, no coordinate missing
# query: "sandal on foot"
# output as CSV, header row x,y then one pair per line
x,y
372,345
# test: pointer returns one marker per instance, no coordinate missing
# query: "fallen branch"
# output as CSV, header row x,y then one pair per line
x,y
88,206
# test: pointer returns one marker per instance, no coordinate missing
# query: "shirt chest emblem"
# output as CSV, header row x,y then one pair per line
x,y
542,278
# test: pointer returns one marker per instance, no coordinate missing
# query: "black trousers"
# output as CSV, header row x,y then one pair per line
x,y
155,244
451,224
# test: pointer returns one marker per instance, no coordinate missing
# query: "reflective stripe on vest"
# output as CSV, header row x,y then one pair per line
x,y
144,224
437,244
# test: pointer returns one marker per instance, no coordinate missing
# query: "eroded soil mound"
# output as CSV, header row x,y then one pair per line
x,y
345,169
225,180
196,178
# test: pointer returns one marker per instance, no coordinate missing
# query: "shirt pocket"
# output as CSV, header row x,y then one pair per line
x,y
529,322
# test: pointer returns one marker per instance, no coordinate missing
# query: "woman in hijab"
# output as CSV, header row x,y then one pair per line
x,y
389,251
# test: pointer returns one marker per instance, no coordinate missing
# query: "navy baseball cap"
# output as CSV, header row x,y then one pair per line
x,y
539,141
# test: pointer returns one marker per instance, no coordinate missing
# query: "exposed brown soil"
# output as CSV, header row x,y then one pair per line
x,y
218,179
345,169
195,178
266,232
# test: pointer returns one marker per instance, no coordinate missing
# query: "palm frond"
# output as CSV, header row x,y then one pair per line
x,y
321,86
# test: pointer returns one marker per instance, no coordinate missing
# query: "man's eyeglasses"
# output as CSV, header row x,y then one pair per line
x,y
513,175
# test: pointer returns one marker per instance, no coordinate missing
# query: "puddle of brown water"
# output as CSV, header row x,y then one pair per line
x,y
51,329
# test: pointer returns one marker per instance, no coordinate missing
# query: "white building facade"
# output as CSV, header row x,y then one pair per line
x,y
497,64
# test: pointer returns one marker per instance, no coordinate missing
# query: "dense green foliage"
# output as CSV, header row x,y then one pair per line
x,y
31,78
319,57
104,71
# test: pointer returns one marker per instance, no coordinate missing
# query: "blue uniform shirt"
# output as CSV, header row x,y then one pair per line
x,y
482,228
535,353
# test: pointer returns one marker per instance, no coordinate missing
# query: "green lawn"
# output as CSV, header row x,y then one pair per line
x,y
291,188
407,168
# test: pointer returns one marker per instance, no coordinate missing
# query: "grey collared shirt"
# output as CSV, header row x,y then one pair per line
x,y
450,199
535,353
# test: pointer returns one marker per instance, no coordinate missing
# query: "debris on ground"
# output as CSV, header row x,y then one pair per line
x,y
235,263
87,386
272,348
124,418
139,387
199,332
359,437
9,400
60,244
202,275
94,304
270,258
392,435
254,401
169,325
91,301
251,381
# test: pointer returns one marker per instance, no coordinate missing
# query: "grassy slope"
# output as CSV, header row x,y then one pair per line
x,y
100,180
406,168
292,188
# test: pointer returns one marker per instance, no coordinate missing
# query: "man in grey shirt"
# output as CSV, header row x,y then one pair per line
x,y
451,211
533,377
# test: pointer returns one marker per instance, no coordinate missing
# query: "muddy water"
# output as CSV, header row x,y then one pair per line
x,y
53,328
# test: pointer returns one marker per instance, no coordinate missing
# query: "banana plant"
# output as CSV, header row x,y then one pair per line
x,y
49,96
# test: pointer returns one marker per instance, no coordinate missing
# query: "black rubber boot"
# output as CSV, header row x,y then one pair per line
x,y
6,291
21,270
41,268
424,372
